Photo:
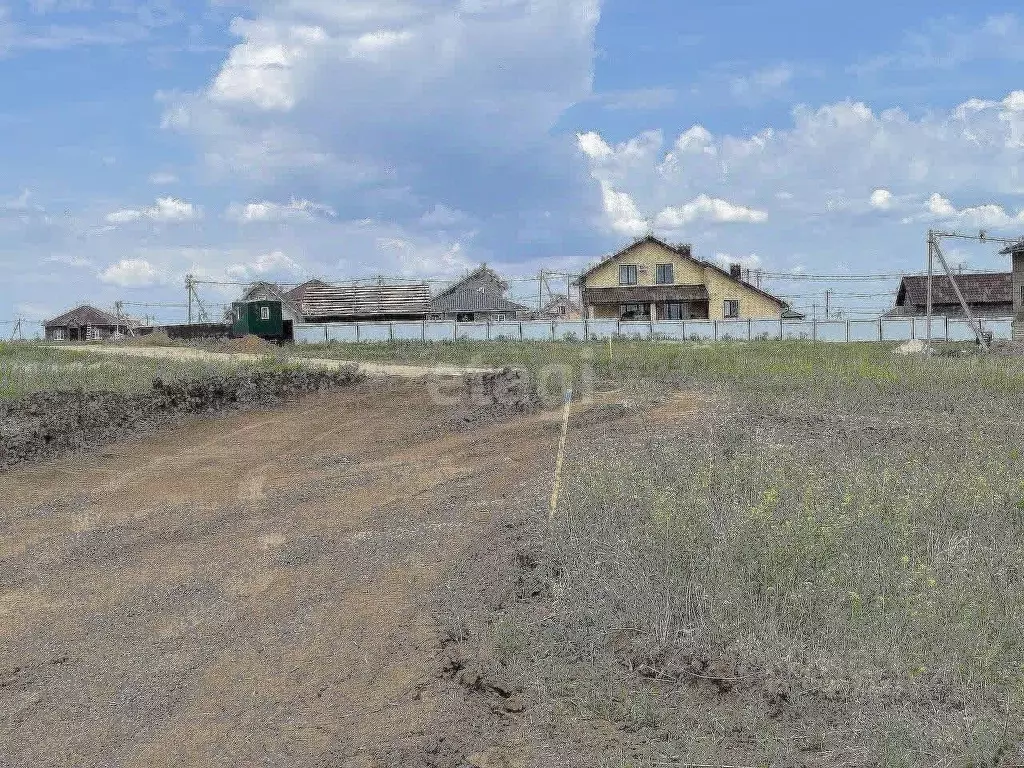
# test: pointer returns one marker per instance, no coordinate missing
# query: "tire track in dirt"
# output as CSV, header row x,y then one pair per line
x,y
187,626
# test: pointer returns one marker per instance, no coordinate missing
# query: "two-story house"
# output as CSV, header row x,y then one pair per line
x,y
652,280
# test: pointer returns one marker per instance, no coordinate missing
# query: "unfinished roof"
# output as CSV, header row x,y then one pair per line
x,y
84,315
298,293
273,290
365,300
984,288
484,274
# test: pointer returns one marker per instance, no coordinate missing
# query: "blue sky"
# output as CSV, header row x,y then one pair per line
x,y
283,139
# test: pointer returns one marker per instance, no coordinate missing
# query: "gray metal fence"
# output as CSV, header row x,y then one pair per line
x,y
881,329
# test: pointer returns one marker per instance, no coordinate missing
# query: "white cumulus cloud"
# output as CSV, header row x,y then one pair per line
x,y
131,272
266,211
881,199
705,208
165,209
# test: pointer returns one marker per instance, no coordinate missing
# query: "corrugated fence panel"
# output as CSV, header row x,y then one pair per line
x,y
1001,329
669,329
507,331
472,331
536,330
700,330
831,330
440,330
407,331
571,329
921,328
796,329
733,330
960,330
602,329
897,330
341,332
765,329
374,331
309,334
863,330
635,329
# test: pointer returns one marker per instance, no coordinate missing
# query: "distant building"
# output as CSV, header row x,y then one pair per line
x,y
480,295
561,307
653,280
987,295
323,303
85,323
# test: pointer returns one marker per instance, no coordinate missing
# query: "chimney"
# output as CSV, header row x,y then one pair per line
x,y
734,271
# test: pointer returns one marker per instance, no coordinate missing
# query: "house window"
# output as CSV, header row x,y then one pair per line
x,y
627,274
664,274
675,310
561,309
264,313
500,318
732,308
633,311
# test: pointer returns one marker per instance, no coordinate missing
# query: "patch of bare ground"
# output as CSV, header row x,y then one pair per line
x,y
256,589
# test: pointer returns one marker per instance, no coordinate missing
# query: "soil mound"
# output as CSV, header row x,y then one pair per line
x,y
48,424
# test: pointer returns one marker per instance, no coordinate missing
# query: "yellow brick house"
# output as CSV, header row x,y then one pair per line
x,y
652,280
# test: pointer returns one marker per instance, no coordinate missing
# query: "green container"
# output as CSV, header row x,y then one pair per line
x,y
261,318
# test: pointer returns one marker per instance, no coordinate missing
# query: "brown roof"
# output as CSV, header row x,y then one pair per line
x,y
626,294
979,288
84,315
686,252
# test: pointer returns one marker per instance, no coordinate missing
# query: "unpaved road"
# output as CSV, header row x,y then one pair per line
x,y
371,369
247,591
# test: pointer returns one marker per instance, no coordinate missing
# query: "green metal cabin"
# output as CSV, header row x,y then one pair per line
x,y
263,318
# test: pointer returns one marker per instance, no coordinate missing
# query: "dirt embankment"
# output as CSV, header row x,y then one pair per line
x,y
50,424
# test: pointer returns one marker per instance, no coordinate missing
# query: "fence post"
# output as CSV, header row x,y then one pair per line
x,y
847,330
586,329
423,331
814,329
880,337
521,330
553,330
682,326
618,326
455,330
487,332
391,330
782,330
750,329
714,326
946,324
357,332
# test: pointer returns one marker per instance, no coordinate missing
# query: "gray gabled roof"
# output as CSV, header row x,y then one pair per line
x,y
469,299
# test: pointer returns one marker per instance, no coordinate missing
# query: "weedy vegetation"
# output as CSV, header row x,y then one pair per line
x,y
823,566
26,368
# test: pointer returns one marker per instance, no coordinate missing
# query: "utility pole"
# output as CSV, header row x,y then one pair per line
x,y
933,238
190,288
928,301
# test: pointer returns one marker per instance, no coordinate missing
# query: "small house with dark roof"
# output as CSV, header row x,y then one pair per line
x,y
480,295
653,280
85,323
987,295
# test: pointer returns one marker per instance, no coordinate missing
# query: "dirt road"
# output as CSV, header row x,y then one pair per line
x,y
371,369
248,591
